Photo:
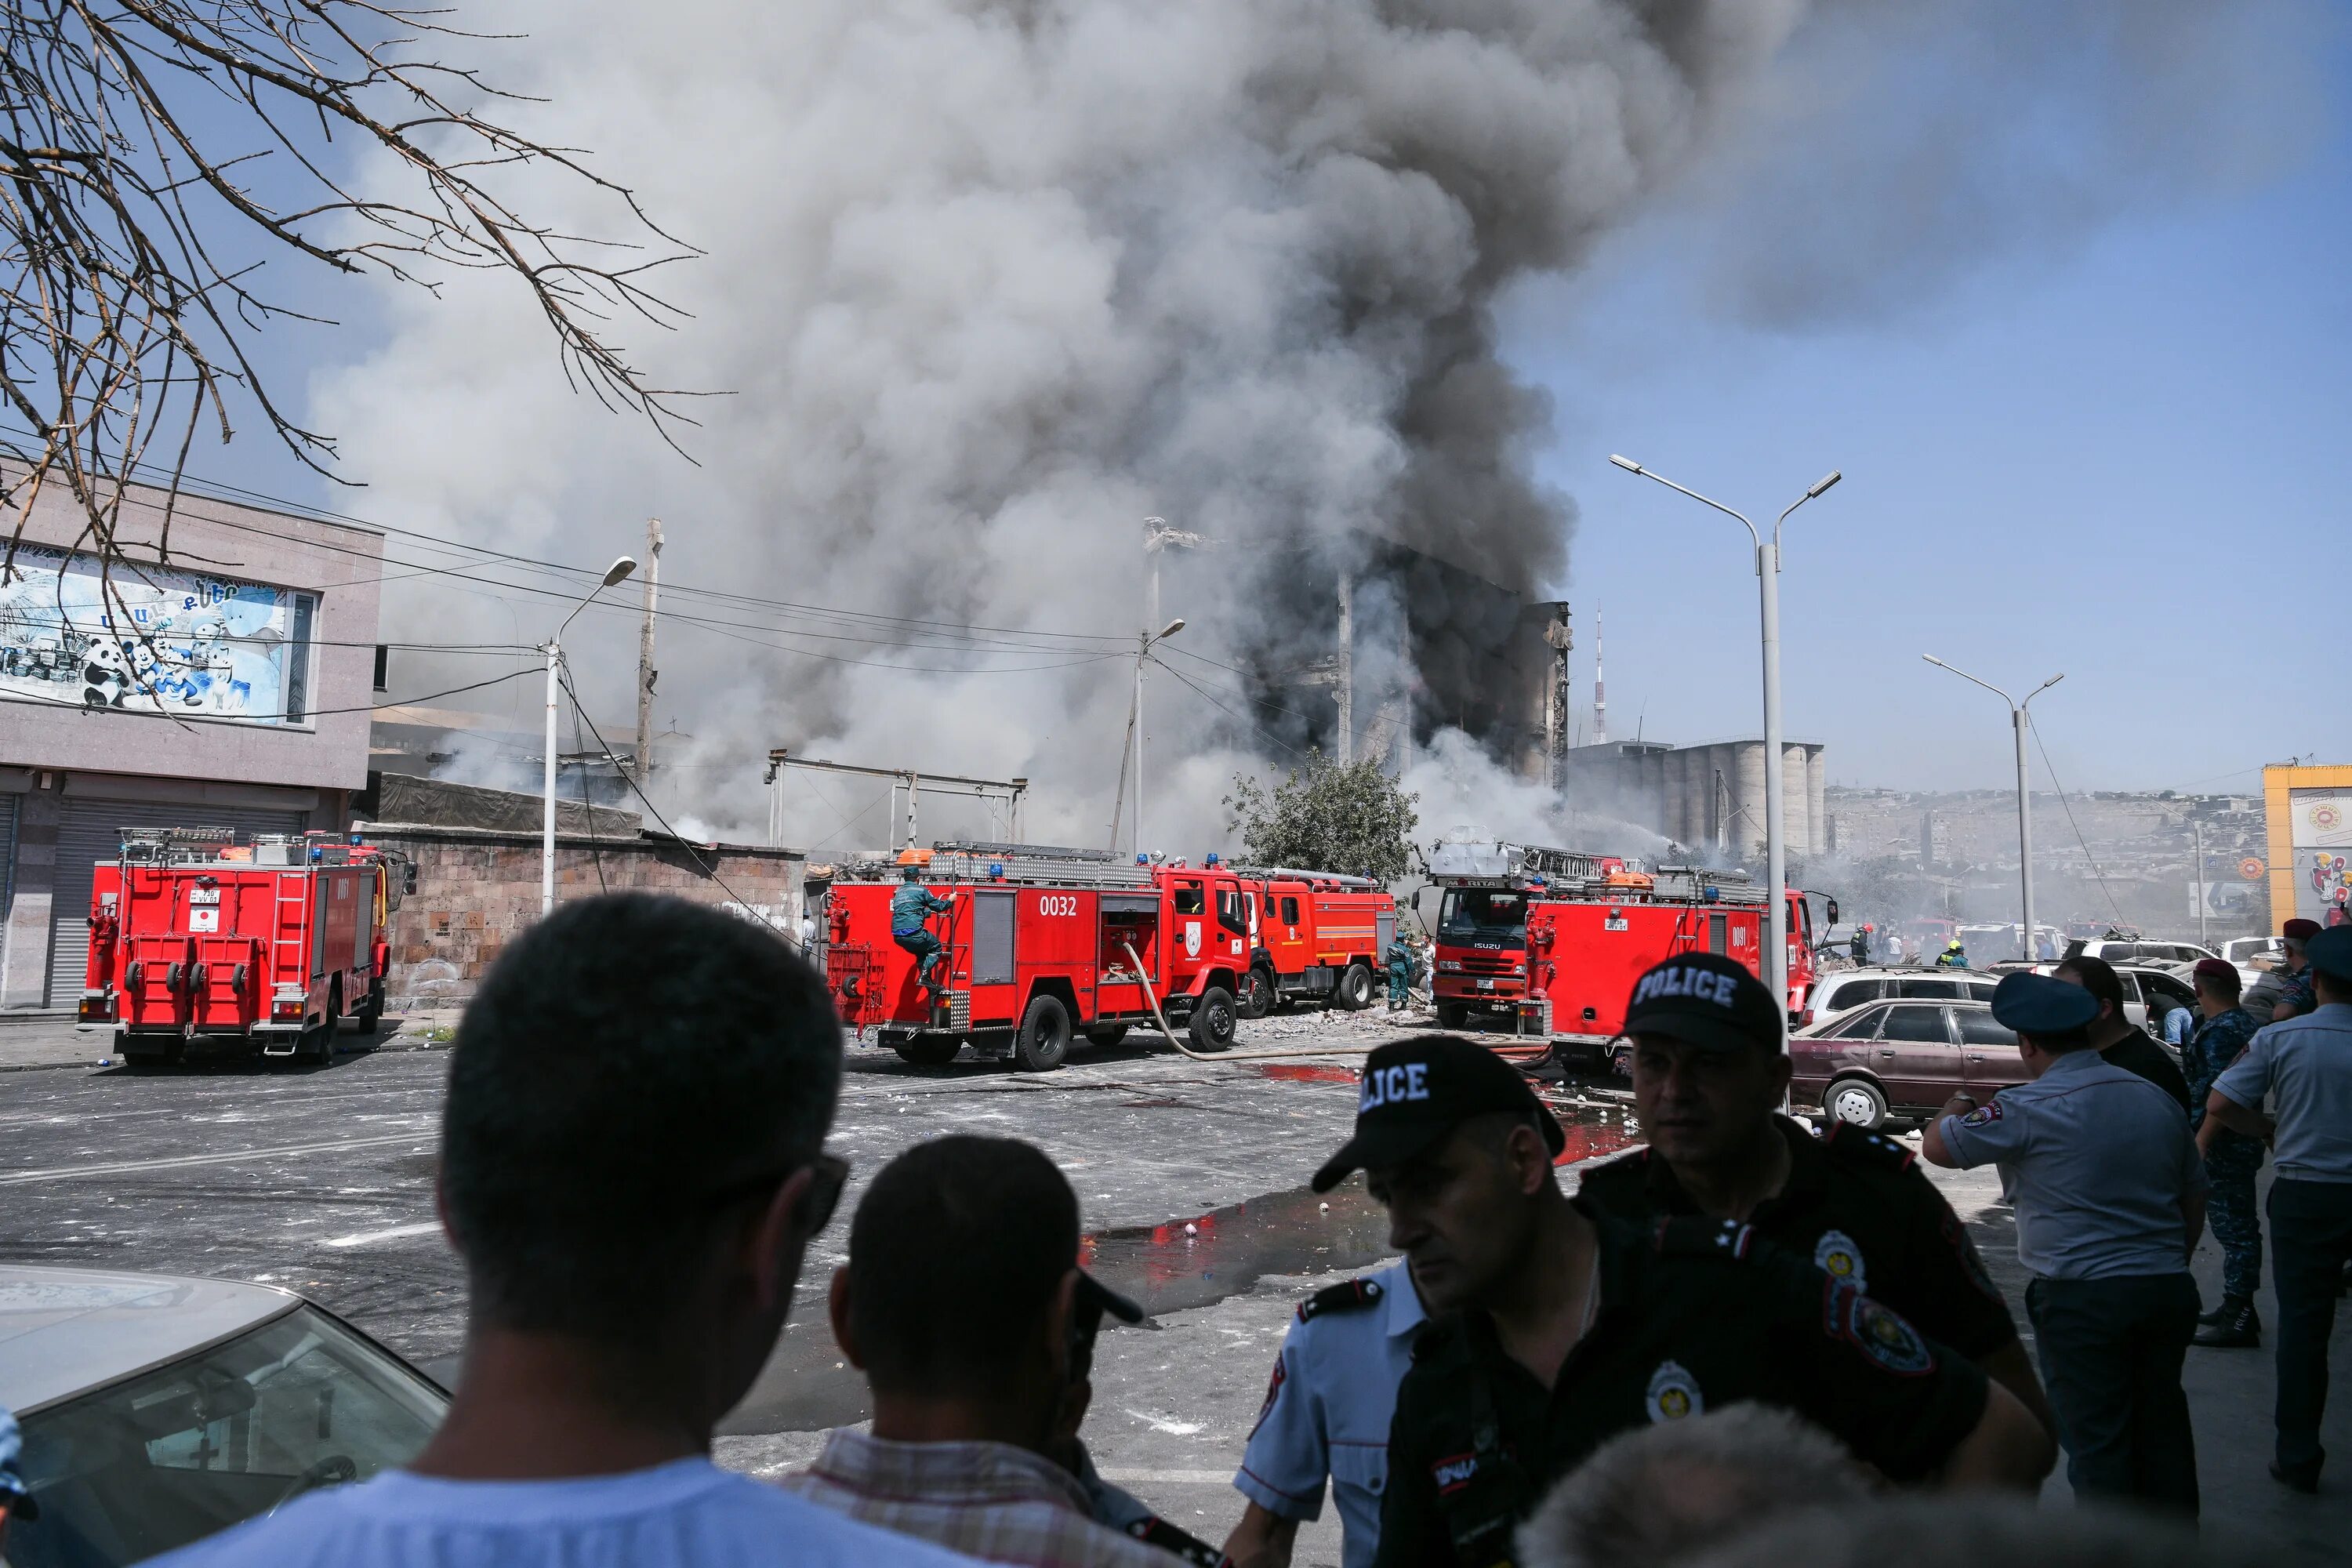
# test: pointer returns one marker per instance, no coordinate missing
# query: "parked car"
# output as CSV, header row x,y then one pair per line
x,y
1900,1060
2117,952
157,1410
2140,980
1842,991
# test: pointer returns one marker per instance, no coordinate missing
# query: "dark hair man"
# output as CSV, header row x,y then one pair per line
x,y
1658,1493
2287,991
1555,1328
631,1168
960,1303
2232,1159
2110,1199
1708,1081
2305,1066
2111,1035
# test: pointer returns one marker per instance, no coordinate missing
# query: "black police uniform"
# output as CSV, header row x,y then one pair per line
x,y
1692,1315
1859,1207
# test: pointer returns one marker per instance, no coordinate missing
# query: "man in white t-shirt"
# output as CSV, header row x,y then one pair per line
x,y
631,1168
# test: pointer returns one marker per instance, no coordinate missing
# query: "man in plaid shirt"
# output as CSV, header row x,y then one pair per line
x,y
963,1305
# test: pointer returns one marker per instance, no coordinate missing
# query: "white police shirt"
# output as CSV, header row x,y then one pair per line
x,y
2305,1065
1327,1412
2097,1160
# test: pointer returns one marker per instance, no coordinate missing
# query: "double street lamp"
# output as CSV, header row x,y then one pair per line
x,y
553,648
2018,720
1768,573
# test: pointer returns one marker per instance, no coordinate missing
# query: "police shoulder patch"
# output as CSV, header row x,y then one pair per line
x,y
1274,1383
1868,1150
1346,1297
1983,1115
1879,1332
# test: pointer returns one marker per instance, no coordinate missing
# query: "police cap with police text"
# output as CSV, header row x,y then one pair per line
x,y
1706,1000
2330,952
2037,1005
1415,1091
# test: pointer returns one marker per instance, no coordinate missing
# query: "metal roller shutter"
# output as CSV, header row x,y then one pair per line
x,y
91,831
7,850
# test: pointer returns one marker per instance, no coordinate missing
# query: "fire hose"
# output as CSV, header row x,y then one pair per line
x,y
1161,1018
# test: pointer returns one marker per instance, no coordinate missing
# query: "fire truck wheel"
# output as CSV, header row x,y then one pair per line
x,y
322,1038
1044,1037
1214,1018
1452,1015
371,1011
1354,992
1258,995
1107,1035
1859,1101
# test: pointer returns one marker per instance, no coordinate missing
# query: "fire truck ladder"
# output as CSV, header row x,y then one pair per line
x,y
1036,864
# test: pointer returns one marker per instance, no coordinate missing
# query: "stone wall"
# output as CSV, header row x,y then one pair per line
x,y
477,888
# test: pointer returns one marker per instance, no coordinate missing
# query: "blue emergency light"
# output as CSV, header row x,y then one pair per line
x,y
995,871
1211,860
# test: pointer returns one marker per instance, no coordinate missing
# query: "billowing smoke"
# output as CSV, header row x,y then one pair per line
x,y
986,284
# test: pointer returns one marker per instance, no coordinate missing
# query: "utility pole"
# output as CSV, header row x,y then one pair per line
x,y
2201,884
642,763
1347,666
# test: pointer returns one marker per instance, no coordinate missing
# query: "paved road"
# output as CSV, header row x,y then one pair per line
x,y
321,1179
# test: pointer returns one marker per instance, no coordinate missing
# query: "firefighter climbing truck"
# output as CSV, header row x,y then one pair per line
x,y
1041,946
278,942
1559,938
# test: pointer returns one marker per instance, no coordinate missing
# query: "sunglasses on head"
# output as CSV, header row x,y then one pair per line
x,y
828,1174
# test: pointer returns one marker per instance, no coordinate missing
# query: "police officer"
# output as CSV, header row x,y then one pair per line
x,y
911,908
2305,1065
1399,964
1707,1091
2287,992
1954,955
2232,1159
2111,1035
1555,1327
1327,1414
2110,1199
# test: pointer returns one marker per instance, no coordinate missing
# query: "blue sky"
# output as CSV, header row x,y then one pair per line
x,y
2121,454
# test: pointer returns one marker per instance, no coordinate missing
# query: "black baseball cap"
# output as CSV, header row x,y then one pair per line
x,y
1093,1292
2330,952
1415,1091
2035,1003
1706,1000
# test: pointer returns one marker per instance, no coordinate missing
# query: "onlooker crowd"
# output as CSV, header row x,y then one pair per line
x,y
1743,1344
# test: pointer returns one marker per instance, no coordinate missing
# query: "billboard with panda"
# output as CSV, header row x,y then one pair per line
x,y
153,639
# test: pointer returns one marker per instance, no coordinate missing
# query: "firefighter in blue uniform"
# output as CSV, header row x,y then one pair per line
x,y
911,908
2232,1159
1400,962
1954,955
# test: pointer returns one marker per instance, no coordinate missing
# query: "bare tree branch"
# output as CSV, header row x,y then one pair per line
x,y
122,316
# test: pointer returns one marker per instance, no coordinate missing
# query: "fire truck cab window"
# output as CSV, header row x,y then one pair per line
x,y
1290,912
1471,913
1189,900
1230,914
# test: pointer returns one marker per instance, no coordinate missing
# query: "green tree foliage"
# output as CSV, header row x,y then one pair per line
x,y
1353,819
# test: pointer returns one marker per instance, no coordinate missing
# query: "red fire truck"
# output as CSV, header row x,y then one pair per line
x,y
1315,937
1558,937
277,942
1043,945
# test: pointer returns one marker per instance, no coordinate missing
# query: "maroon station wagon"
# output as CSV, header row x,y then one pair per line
x,y
1900,1061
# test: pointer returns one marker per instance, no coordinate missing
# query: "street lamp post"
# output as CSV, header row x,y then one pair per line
x,y
554,651
2018,720
1768,573
1143,647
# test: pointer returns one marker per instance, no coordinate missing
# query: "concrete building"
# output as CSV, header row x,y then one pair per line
x,y
1705,796
227,687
